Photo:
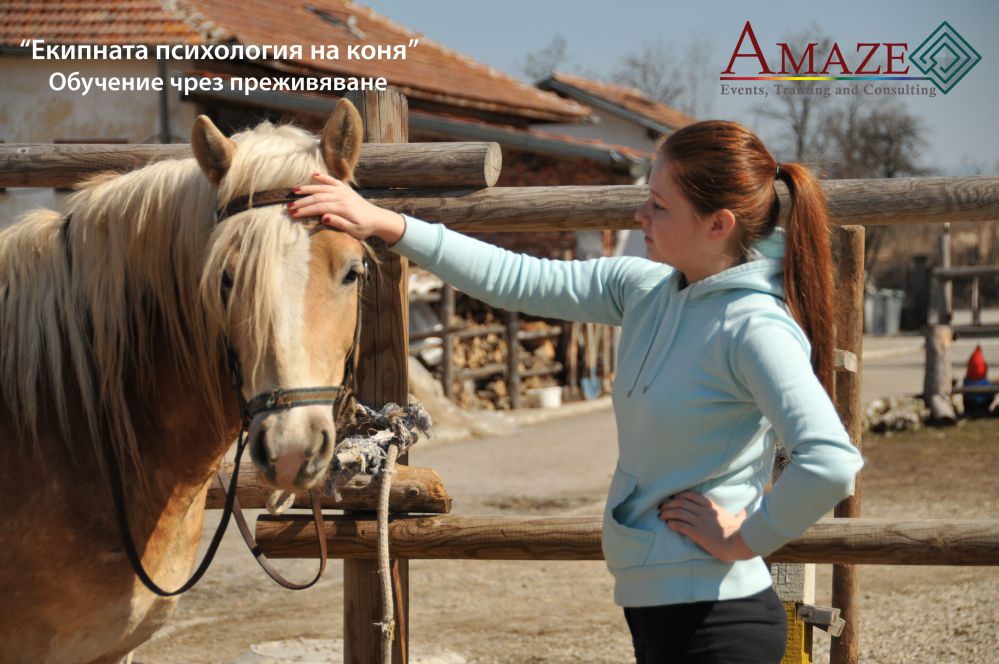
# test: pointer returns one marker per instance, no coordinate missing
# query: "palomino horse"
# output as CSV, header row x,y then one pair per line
x,y
114,320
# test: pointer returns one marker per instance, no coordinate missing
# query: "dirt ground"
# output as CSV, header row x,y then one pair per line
x,y
534,613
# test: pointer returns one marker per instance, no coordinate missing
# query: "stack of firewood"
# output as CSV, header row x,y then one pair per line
x,y
488,352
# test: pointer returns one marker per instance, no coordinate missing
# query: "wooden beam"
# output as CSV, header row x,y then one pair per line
x,y
383,377
449,537
470,165
463,164
513,358
848,252
447,338
937,376
964,271
888,202
413,489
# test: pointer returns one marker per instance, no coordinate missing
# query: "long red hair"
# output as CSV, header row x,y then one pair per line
x,y
723,165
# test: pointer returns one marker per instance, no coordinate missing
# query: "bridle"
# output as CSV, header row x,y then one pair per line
x,y
336,396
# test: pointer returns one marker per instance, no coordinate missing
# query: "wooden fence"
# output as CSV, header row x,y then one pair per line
x,y
400,176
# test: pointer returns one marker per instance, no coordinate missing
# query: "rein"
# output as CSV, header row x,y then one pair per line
x,y
277,399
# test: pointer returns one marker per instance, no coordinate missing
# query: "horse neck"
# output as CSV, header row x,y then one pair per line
x,y
181,441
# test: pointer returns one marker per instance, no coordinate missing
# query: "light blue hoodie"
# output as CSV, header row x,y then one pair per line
x,y
708,378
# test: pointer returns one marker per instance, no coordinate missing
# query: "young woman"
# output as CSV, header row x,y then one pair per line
x,y
726,347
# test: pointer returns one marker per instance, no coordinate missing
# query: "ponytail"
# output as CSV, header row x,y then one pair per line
x,y
719,164
808,283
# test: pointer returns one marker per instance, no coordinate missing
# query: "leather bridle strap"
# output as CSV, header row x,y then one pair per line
x,y
255,200
251,542
282,399
118,494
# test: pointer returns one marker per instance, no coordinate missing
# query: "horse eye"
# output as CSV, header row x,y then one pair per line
x,y
352,275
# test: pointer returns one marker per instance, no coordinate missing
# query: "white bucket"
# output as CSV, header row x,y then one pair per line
x,y
546,397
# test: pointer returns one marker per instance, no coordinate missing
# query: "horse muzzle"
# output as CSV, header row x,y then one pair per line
x,y
293,448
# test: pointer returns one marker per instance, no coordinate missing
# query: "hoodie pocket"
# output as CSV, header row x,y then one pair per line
x,y
623,546
669,546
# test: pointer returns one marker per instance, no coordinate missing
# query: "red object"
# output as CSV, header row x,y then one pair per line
x,y
977,368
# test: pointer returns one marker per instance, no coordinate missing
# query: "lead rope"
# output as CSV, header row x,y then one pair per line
x,y
378,437
387,624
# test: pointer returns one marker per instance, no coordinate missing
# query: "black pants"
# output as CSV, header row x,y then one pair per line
x,y
747,630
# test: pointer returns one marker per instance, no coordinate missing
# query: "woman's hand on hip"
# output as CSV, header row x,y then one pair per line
x,y
341,207
704,521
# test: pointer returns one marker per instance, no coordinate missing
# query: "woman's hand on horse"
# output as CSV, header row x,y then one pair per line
x,y
340,207
704,521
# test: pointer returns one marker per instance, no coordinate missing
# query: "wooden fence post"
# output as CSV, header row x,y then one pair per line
x,y
513,358
937,391
383,376
848,247
447,359
945,300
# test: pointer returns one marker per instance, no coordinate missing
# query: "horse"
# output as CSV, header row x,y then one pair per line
x,y
119,319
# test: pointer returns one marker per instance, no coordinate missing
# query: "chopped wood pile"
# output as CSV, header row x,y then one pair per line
x,y
481,358
480,366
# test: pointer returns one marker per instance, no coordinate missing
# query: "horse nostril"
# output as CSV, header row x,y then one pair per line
x,y
321,439
258,453
327,447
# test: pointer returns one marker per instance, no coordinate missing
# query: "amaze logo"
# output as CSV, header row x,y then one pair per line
x,y
945,57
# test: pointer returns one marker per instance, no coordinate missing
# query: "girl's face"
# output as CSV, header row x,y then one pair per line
x,y
673,232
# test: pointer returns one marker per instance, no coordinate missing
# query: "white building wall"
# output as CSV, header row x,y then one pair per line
x,y
30,112
609,128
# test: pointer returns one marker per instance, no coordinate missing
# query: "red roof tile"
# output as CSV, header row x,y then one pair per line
x,y
630,99
431,71
96,22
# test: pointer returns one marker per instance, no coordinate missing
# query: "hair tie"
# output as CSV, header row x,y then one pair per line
x,y
777,172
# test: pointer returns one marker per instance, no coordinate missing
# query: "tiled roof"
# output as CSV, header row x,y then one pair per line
x,y
627,98
431,72
625,150
95,22
444,126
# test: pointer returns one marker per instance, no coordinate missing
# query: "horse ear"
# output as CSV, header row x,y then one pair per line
x,y
211,148
340,142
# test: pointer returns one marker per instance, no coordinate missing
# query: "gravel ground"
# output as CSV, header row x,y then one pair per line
x,y
534,613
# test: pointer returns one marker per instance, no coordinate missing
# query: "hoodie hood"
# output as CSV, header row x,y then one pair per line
x,y
763,272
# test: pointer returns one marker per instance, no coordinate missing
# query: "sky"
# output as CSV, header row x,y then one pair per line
x,y
960,128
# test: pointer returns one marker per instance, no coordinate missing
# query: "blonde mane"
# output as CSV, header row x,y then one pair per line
x,y
133,269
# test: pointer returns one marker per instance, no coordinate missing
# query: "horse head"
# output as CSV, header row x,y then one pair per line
x,y
283,292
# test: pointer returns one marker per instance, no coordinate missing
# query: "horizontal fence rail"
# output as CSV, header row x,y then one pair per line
x,y
413,489
843,541
965,271
872,202
380,165
454,187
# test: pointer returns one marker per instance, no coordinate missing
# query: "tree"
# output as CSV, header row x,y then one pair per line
x,y
802,107
543,63
868,139
651,70
676,80
874,140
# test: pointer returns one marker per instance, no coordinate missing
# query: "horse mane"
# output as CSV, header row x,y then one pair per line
x,y
83,294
